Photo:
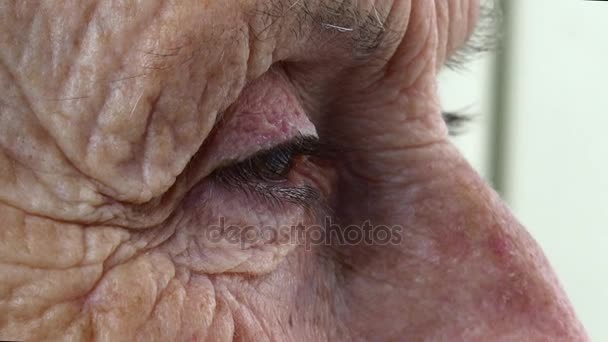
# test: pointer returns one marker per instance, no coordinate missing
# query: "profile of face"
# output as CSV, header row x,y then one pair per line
x,y
252,170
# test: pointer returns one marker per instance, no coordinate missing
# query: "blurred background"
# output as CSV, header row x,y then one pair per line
x,y
539,134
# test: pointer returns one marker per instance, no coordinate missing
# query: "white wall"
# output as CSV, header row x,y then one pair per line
x,y
556,160
557,176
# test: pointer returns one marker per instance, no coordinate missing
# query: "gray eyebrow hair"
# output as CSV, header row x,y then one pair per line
x,y
367,32
485,38
343,19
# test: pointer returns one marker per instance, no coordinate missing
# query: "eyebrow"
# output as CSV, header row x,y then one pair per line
x,y
368,31
486,36
365,32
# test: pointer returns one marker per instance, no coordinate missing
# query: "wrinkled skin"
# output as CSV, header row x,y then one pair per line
x,y
114,114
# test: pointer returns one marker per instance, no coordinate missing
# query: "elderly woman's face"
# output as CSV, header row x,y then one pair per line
x,y
251,169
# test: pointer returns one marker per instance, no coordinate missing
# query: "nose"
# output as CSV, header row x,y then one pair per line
x,y
463,267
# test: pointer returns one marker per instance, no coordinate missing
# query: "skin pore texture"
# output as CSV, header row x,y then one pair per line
x,y
124,130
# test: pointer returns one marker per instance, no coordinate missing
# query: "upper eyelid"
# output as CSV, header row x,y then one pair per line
x,y
299,145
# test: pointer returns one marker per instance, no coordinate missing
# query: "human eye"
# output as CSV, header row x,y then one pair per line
x,y
272,174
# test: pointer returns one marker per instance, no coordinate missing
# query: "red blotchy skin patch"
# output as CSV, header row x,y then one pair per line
x,y
511,292
501,247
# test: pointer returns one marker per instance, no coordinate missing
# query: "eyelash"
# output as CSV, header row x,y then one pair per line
x,y
266,175
456,122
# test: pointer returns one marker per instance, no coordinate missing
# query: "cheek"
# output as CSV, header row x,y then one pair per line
x,y
223,230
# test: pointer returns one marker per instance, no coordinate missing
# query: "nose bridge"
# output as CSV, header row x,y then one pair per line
x,y
461,251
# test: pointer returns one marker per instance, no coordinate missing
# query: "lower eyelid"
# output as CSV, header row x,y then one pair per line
x,y
279,196
305,196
